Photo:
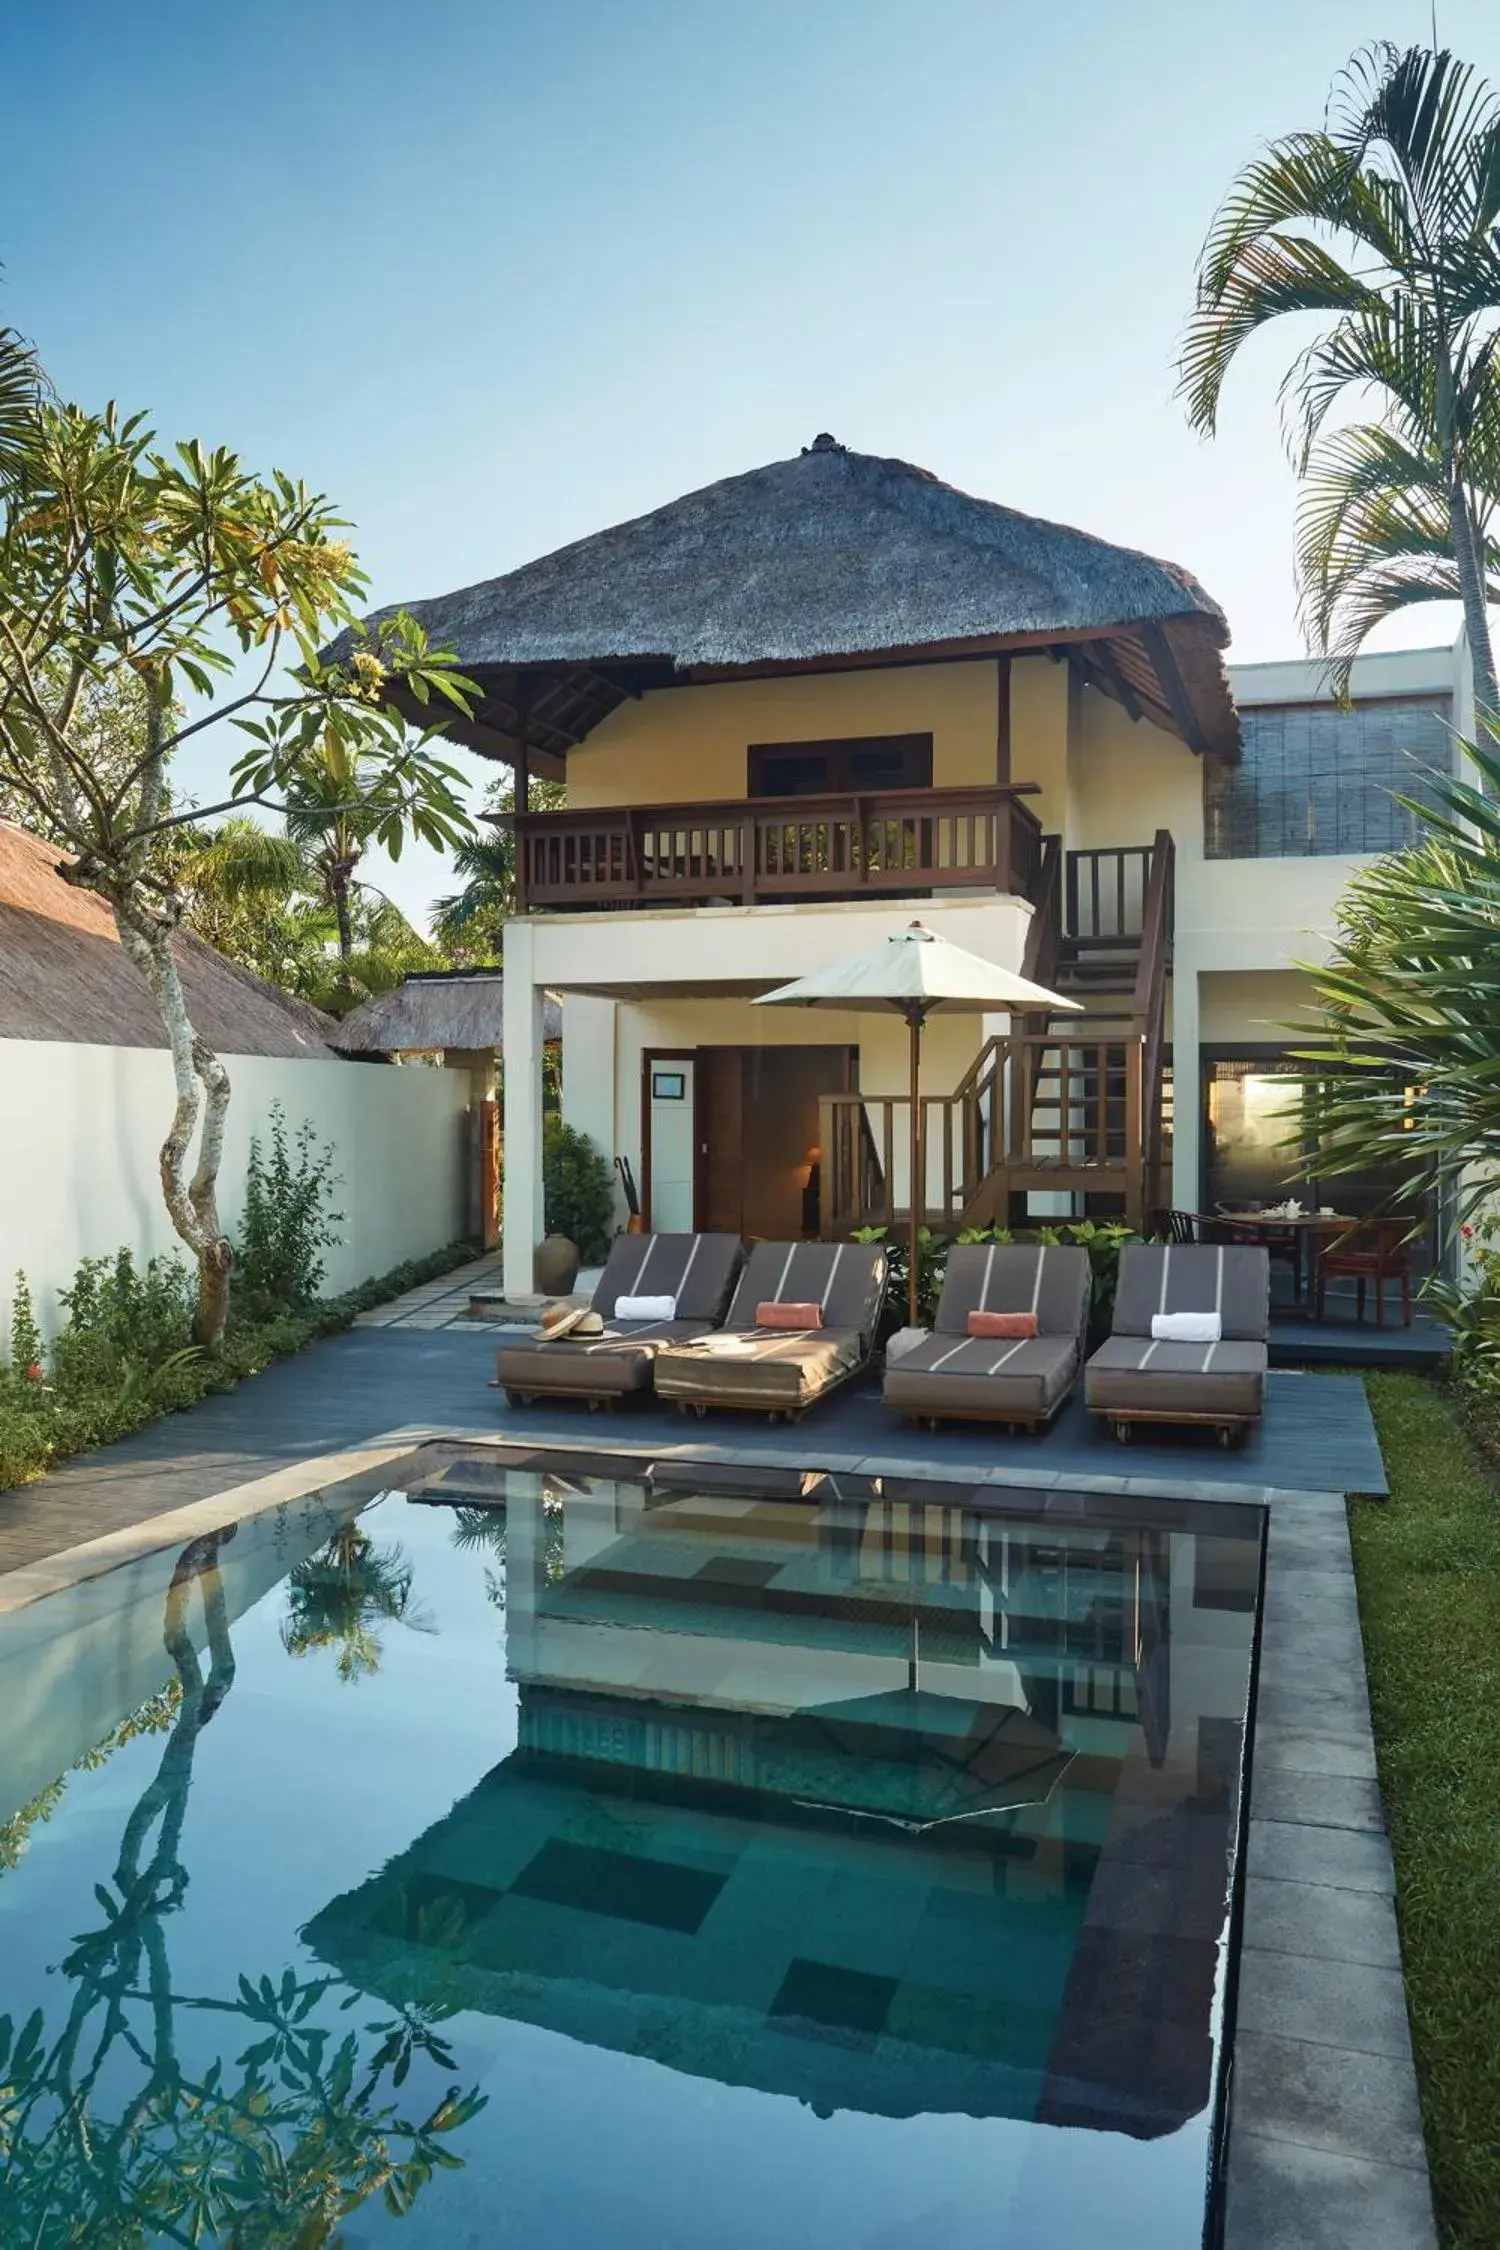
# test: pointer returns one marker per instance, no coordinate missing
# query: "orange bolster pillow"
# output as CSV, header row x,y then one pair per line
x,y
1002,1324
769,1314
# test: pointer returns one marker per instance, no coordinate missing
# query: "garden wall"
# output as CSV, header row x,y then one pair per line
x,y
80,1127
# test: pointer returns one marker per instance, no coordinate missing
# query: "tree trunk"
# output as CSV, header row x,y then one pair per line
x,y
340,888
202,1086
1471,580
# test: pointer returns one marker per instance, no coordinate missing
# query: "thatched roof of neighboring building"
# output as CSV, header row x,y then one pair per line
x,y
821,560
436,1009
64,974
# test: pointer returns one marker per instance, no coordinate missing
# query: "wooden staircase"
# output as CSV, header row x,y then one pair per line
x,y
1065,1103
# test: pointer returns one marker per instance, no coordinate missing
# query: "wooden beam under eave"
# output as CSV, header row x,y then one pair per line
x,y
494,743
1179,703
1102,658
523,744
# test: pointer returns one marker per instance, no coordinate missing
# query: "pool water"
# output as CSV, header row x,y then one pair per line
x,y
551,1851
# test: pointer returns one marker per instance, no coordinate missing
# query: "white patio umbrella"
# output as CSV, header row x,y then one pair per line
x,y
916,974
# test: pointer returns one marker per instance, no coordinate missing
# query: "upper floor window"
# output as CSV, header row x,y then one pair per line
x,y
844,767
1315,780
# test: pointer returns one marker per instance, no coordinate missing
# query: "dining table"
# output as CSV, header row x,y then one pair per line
x,y
1305,1231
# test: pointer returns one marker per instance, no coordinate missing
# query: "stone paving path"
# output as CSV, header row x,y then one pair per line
x,y
444,1303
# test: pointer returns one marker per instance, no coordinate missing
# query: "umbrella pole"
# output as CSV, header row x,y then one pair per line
x,y
917,1184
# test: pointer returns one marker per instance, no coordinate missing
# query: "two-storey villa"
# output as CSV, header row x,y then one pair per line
x,y
798,709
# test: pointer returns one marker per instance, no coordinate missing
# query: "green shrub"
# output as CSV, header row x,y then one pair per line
x,y
101,1386
25,1336
932,1261
287,1223
120,1318
578,1190
1103,1239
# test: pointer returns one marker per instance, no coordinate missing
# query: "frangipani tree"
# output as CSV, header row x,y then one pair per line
x,y
120,561
1386,223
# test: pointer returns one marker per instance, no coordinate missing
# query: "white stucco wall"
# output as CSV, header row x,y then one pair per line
x,y
80,1127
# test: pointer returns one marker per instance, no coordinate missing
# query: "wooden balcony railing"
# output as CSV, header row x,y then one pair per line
x,y
904,843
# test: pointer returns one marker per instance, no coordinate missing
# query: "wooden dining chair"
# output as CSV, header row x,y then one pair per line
x,y
1375,1250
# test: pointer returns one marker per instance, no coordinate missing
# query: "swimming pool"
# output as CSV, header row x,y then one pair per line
x,y
545,1849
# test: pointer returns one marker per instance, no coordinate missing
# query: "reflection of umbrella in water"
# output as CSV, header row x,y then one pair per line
x,y
919,1759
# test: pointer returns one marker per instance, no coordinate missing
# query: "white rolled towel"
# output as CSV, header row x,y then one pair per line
x,y
1187,1328
905,1340
645,1308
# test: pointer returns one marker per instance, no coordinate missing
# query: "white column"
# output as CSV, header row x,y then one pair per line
x,y
521,1217
589,1077
1187,1087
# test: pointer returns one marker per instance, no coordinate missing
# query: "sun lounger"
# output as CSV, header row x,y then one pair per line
x,y
698,1270
1136,1377
782,1371
955,1375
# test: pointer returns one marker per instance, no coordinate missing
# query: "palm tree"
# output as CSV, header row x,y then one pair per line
x,y
339,1597
470,921
262,897
1400,196
331,817
1373,531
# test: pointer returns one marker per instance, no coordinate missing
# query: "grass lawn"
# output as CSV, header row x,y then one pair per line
x,y
1428,1566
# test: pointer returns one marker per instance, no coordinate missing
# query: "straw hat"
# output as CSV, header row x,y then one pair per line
x,y
568,1320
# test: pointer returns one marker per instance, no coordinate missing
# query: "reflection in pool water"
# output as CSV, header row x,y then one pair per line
x,y
664,1859
111,2132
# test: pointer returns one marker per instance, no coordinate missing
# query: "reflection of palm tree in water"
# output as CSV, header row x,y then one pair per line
x,y
276,2150
339,1597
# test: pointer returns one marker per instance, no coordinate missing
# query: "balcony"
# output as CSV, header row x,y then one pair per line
x,y
908,843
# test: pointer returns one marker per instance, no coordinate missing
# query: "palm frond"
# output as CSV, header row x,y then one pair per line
x,y
1272,274
1401,194
242,860
1406,1073
21,387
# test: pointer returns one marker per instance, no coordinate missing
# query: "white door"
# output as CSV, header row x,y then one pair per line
x,y
672,1145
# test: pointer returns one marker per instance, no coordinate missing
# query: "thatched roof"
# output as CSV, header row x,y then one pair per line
x,y
64,974
436,1009
827,558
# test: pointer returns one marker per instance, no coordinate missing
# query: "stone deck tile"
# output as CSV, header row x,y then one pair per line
x,y
1325,2133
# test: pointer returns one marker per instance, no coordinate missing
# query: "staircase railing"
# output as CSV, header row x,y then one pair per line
x,y
1106,891
1044,937
1149,1006
1071,1105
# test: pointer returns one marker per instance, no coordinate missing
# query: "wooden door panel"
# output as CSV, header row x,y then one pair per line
x,y
721,1140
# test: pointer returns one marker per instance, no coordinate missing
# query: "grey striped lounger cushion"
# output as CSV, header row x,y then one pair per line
x,y
1131,1372
786,1369
954,1372
699,1270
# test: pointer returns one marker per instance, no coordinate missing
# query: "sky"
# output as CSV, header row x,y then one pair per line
x,y
496,273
